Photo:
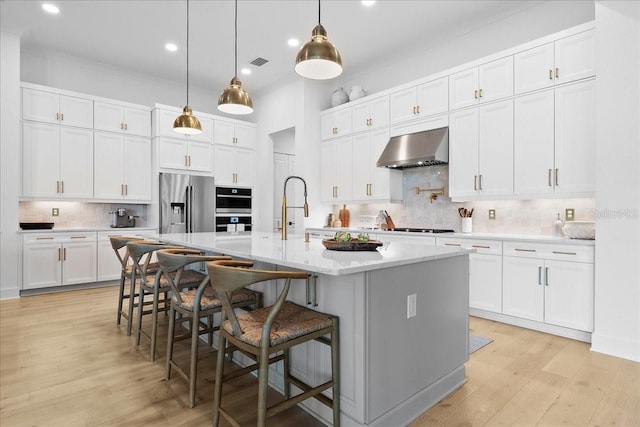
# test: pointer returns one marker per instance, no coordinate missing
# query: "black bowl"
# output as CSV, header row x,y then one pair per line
x,y
36,225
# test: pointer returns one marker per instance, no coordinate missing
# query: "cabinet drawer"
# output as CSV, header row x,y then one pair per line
x,y
491,247
550,251
31,239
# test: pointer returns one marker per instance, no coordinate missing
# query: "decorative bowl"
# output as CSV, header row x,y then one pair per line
x,y
353,245
36,225
580,229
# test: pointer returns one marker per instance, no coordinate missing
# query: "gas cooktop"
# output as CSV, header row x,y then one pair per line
x,y
421,230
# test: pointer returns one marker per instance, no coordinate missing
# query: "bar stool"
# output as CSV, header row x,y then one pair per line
x,y
117,243
269,330
193,305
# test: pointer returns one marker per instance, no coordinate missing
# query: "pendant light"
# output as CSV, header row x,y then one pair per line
x,y
187,123
319,59
234,99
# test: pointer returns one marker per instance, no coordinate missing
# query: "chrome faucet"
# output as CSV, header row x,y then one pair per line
x,y
285,207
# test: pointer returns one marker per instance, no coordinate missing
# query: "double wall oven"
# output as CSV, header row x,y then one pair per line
x,y
233,209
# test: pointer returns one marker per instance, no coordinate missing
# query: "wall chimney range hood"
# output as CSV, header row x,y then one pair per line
x,y
426,148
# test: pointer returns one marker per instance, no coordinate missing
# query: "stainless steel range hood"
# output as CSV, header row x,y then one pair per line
x,y
426,148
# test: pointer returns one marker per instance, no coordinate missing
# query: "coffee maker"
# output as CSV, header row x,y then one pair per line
x,y
120,218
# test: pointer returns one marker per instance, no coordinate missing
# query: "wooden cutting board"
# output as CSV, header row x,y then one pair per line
x,y
344,215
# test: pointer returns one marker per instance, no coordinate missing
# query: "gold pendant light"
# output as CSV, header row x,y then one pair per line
x,y
234,99
187,123
319,59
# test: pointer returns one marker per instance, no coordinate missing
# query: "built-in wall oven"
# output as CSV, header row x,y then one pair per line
x,y
233,209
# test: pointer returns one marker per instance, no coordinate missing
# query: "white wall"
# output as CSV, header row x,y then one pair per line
x,y
10,142
617,273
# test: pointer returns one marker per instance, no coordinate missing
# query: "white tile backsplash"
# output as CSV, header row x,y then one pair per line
x,y
77,214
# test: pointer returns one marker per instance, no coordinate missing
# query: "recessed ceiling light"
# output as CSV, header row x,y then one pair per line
x,y
171,47
368,2
245,71
50,8
293,42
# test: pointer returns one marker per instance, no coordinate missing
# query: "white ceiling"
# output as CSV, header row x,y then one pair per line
x,y
131,34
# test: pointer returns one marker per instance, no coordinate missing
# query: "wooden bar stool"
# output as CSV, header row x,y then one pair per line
x,y
269,330
194,305
118,243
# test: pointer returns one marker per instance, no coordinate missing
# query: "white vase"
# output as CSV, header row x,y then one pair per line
x,y
339,97
356,92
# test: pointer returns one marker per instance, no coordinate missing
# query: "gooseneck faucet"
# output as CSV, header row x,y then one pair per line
x,y
285,207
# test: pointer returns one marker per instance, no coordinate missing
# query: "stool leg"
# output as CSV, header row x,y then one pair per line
x,y
286,368
170,337
193,365
263,382
132,293
335,371
140,310
154,320
217,394
121,296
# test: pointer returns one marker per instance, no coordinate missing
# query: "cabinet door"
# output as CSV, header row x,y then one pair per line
x,y
344,164
533,68
76,112
199,156
485,282
361,173
575,145
40,106
245,136
223,133
327,171
361,116
522,289
108,265
533,143
574,57
79,262
137,168
172,153
108,117
568,297
385,183
76,163
137,121
224,165
40,160
433,97
109,165
378,112
402,105
463,88
463,153
495,79
495,157
244,167
342,121
41,265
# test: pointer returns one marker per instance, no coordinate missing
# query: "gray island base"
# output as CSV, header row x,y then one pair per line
x,y
393,367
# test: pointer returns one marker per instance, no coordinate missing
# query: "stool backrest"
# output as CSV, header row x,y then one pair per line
x,y
228,276
119,242
139,248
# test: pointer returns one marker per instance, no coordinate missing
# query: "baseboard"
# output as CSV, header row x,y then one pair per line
x,y
67,288
615,346
10,293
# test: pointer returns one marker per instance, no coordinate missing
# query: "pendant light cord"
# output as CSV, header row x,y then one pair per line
x,y
187,52
236,39
318,11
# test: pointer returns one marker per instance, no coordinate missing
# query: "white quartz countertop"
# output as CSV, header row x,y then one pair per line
x,y
120,230
535,238
309,256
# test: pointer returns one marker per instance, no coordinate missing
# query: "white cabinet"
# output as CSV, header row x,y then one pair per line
x,y
55,259
234,166
549,283
163,125
57,161
122,167
481,151
119,118
235,134
420,101
371,114
565,60
485,271
487,82
335,123
554,141
370,182
50,107
336,168
185,154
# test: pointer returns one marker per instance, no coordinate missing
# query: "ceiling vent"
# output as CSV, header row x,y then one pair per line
x,y
258,62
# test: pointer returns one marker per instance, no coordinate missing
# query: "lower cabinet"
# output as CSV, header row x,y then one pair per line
x,y
58,259
549,283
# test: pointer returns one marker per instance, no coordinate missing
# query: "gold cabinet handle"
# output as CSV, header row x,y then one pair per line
x,y
78,237
480,93
546,276
480,182
557,73
126,190
44,238
61,116
475,94
452,244
417,109
550,172
57,186
556,177
122,189
126,126
550,74
57,116
64,254
121,126
564,253
62,186
59,254
189,160
539,275
475,182
481,246
524,250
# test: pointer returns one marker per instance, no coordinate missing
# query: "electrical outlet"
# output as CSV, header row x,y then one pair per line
x,y
55,212
569,214
411,305
492,214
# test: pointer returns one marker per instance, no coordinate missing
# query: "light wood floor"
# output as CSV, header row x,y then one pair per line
x,y
62,368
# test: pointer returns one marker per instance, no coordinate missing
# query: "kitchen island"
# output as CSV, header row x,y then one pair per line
x,y
396,360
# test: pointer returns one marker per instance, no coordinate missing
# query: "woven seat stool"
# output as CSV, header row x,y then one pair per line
x,y
270,331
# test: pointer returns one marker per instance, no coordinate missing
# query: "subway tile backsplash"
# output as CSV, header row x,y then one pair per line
x,y
77,214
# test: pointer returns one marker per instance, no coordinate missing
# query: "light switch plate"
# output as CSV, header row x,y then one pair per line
x,y
55,212
569,214
492,214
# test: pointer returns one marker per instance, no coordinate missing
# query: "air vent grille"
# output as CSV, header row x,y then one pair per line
x,y
258,62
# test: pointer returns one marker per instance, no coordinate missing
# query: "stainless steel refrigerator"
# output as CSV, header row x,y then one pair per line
x,y
187,203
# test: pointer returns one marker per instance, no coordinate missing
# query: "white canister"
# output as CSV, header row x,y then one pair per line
x,y
467,225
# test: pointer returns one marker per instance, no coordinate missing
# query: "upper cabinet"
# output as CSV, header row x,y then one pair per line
x,y
114,117
565,60
234,166
371,114
487,82
164,118
241,135
336,170
420,101
369,182
50,107
335,123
